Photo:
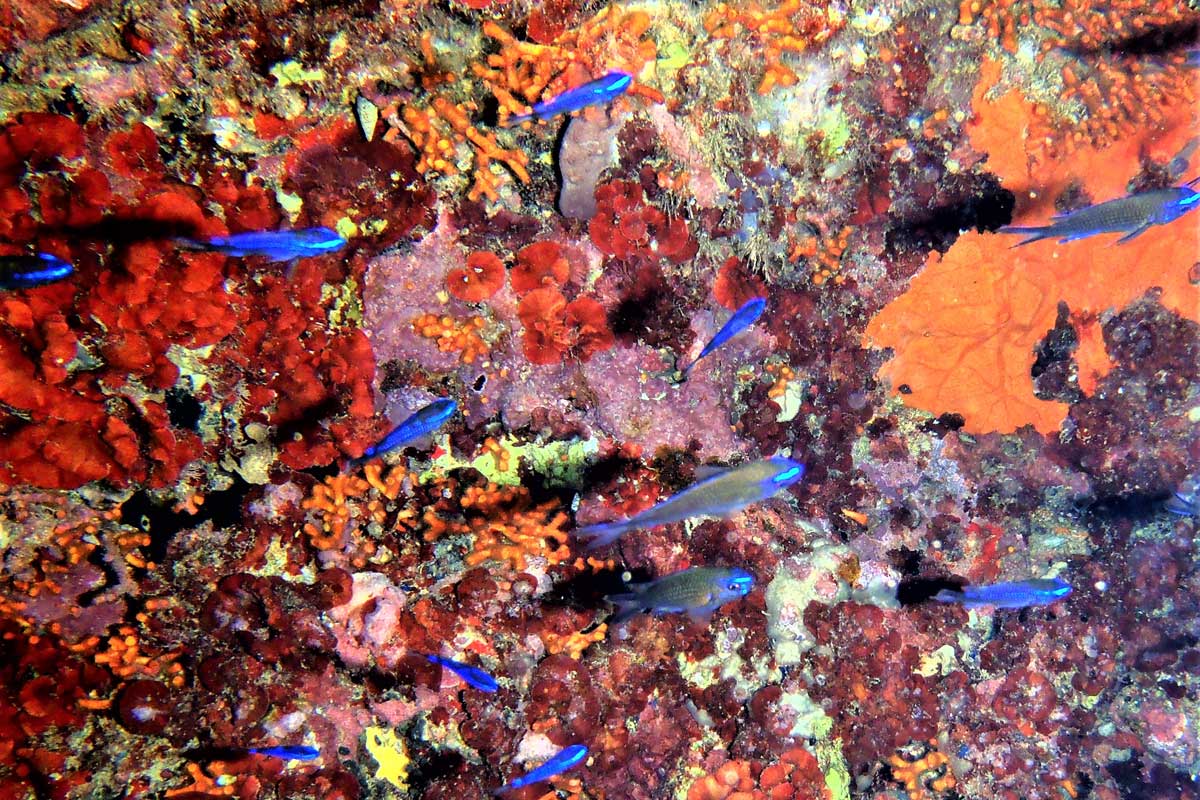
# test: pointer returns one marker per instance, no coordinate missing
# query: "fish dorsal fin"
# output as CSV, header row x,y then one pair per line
x,y
706,472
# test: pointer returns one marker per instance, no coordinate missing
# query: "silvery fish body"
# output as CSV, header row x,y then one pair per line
x,y
697,591
1012,594
719,495
1131,215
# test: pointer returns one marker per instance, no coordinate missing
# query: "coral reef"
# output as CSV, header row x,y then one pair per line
x,y
198,564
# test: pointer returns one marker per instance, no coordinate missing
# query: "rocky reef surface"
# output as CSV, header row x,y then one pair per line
x,y
196,562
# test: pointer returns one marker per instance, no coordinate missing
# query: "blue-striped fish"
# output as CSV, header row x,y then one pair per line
x,y
595,92
1013,594
1132,215
471,675
286,245
698,592
559,763
743,318
291,752
1186,500
422,423
719,495
30,271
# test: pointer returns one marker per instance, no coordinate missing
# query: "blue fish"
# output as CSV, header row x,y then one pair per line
x,y
718,495
560,762
1014,594
423,422
1186,501
743,318
472,675
601,90
275,245
1132,215
291,752
27,272
698,591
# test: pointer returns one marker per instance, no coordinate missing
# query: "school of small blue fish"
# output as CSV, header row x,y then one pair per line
x,y
698,591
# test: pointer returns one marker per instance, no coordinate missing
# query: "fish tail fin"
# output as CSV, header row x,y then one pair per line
x,y
594,537
948,596
628,605
1182,504
1035,233
188,243
518,119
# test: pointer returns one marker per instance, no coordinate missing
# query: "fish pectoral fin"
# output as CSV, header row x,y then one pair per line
x,y
1133,234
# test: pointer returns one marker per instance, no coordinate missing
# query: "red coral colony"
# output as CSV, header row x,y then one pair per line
x,y
334,337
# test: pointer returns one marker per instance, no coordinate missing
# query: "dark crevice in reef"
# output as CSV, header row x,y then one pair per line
x,y
162,522
1162,41
1053,368
988,208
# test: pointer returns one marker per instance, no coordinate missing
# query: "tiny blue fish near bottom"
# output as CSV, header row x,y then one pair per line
x,y
288,752
560,762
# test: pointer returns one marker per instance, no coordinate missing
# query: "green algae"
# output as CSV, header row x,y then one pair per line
x,y
559,463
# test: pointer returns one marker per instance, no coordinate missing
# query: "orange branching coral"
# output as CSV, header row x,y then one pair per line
x,y
508,527
573,644
499,453
965,331
1108,95
479,279
123,657
438,130
925,777
453,336
1087,23
791,27
524,72
337,516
